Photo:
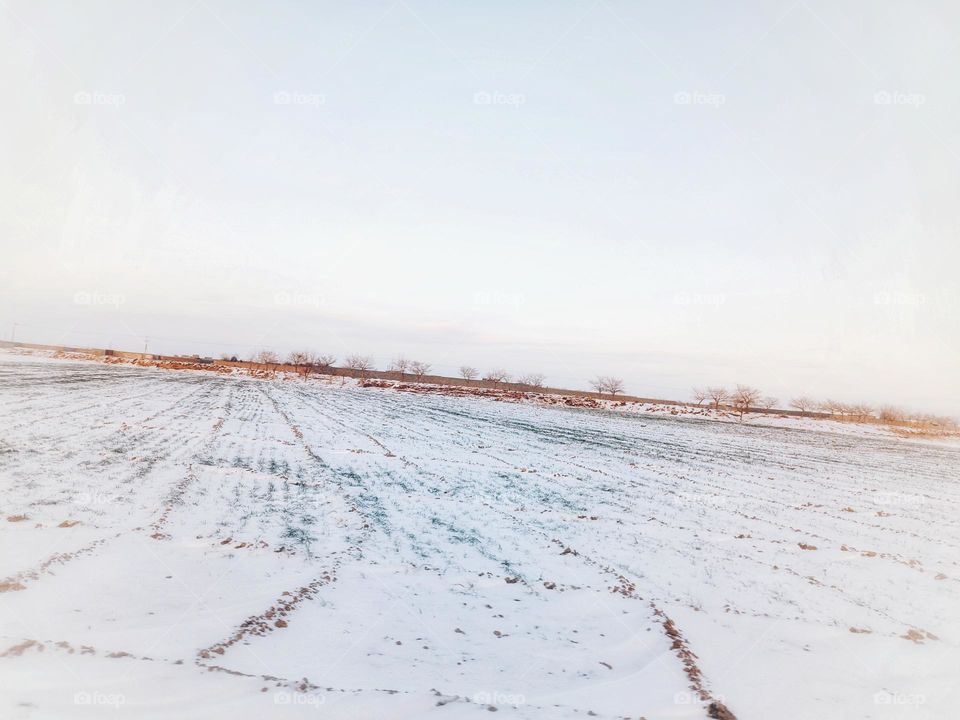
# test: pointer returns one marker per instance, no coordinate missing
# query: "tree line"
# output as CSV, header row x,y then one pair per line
x,y
305,362
743,398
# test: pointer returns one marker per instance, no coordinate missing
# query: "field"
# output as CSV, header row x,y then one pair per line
x,y
193,545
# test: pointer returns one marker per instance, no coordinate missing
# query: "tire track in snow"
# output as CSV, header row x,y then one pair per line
x,y
276,616
714,708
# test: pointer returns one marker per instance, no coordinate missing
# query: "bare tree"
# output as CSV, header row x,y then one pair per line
x,y
769,402
831,407
299,359
744,398
849,411
496,376
922,419
891,414
468,373
699,395
607,384
804,404
400,366
717,395
419,369
360,364
614,386
534,380
861,411
310,363
324,363
266,357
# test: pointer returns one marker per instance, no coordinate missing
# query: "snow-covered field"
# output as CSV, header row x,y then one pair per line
x,y
185,544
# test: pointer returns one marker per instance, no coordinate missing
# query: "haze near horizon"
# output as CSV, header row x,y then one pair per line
x,y
679,196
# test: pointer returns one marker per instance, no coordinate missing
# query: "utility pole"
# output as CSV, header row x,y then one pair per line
x,y
13,333
146,341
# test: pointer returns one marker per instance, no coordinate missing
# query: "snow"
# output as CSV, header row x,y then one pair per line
x,y
191,544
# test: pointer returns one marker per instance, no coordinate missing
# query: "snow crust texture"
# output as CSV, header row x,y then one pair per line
x,y
193,545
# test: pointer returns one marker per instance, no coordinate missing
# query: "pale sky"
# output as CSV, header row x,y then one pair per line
x,y
676,193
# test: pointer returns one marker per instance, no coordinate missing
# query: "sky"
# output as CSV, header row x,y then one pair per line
x,y
678,194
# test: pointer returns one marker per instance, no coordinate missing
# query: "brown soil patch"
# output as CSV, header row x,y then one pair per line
x,y
18,650
272,618
175,498
918,636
